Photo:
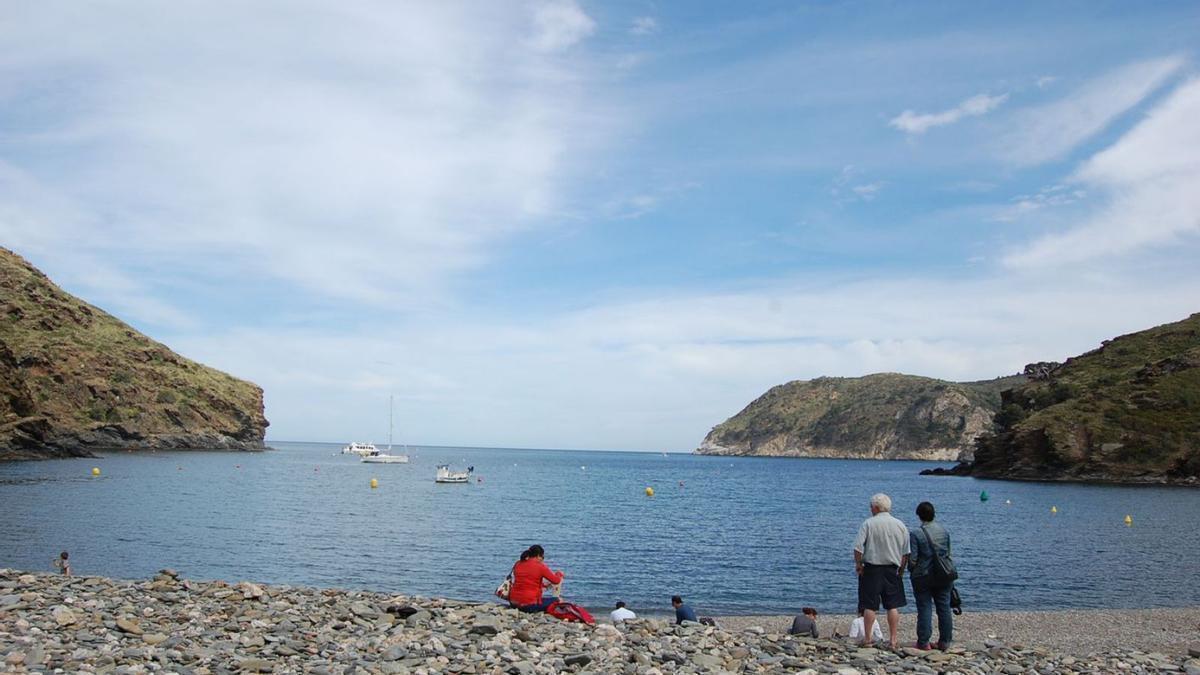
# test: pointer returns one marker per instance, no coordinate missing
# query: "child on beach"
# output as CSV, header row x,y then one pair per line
x,y
63,564
805,623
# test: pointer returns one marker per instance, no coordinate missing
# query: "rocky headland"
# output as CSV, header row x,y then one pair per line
x,y
167,624
880,416
1126,412
74,379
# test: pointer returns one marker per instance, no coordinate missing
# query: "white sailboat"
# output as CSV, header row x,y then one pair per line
x,y
378,457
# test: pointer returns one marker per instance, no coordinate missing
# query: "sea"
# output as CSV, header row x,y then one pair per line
x,y
733,535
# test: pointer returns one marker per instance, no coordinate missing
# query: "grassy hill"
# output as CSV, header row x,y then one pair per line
x,y
1126,412
74,378
880,416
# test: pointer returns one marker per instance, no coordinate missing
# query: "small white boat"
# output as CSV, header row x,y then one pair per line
x,y
445,475
359,449
384,458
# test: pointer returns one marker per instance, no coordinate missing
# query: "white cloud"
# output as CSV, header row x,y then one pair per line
x,y
867,191
643,25
658,372
1049,132
1150,180
560,24
384,157
1045,81
918,123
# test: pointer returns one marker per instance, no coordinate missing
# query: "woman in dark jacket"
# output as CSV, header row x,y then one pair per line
x,y
528,576
930,594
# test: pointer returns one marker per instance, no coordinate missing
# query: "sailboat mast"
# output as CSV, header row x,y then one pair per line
x,y
391,405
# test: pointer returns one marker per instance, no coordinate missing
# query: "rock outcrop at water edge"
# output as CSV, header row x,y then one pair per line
x,y
881,416
74,379
1126,412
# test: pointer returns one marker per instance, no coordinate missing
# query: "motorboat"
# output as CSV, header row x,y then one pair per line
x,y
384,458
445,475
360,449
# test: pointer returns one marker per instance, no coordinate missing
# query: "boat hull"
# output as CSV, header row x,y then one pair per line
x,y
386,459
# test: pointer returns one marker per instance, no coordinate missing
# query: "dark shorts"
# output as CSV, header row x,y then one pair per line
x,y
880,582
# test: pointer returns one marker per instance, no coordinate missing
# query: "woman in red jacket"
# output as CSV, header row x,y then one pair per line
x,y
528,575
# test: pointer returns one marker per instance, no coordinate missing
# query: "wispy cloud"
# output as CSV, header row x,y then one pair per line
x,y
849,186
374,164
1150,183
643,25
918,123
560,24
1049,132
1059,194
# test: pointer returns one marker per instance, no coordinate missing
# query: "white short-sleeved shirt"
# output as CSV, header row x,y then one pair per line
x,y
882,539
620,614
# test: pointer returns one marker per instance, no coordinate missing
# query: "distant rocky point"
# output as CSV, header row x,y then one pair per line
x,y
74,379
1127,412
880,416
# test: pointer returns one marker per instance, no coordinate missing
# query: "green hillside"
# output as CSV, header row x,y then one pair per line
x,y
74,378
885,415
1128,412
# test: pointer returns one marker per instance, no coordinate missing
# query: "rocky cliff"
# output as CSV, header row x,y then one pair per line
x,y
75,379
1127,412
881,416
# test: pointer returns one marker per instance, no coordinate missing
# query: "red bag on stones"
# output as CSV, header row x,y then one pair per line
x,y
570,612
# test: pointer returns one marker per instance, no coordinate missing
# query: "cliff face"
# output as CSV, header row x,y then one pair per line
x,y
881,416
1126,412
75,379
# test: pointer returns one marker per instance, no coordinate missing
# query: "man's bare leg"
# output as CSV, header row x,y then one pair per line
x,y
868,624
893,625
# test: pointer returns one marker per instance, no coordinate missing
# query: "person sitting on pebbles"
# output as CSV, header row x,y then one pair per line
x,y
528,576
621,613
805,623
858,633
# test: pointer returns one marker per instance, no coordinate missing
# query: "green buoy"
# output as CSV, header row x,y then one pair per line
x,y
983,496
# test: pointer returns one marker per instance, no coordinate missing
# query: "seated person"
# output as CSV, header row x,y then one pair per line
x,y
528,576
682,611
859,636
805,623
620,613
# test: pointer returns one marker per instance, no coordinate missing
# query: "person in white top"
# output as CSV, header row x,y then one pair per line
x,y
620,613
858,633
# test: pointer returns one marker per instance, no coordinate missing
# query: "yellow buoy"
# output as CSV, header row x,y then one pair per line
x,y
1129,520
374,483
1053,509
95,471
649,492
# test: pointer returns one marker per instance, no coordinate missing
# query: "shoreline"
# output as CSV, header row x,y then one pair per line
x,y
1077,632
51,623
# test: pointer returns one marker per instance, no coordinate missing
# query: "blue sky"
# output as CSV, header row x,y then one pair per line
x,y
602,225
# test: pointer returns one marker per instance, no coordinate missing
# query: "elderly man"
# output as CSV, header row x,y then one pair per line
x,y
881,552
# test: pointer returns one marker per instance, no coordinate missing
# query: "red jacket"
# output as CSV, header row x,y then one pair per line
x,y
527,581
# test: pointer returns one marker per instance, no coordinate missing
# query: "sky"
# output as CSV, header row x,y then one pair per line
x,y
573,224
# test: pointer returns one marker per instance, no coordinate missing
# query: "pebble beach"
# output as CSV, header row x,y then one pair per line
x,y
168,624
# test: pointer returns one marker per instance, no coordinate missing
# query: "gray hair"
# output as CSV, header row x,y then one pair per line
x,y
881,502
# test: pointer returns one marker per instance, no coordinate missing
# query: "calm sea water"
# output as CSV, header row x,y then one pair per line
x,y
732,535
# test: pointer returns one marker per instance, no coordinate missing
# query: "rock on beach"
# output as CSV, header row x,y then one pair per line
x,y
173,625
